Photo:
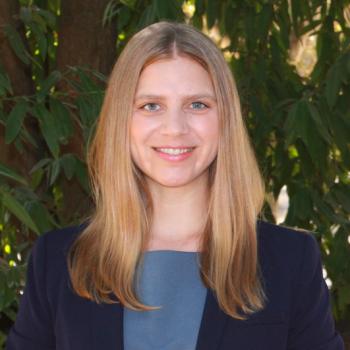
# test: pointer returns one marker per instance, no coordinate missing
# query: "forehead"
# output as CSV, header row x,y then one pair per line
x,y
173,74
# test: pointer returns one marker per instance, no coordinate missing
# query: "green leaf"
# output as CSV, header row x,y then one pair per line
x,y
341,132
291,124
109,12
17,43
49,17
303,121
342,194
55,168
15,120
11,174
168,9
333,83
212,12
300,206
199,7
25,14
40,164
148,16
63,120
40,38
17,210
82,175
68,162
308,132
264,21
40,216
86,84
5,84
39,20
88,111
129,3
322,206
2,116
124,15
100,76
321,128
295,11
48,128
340,249
306,165
344,296
36,178
29,137
50,81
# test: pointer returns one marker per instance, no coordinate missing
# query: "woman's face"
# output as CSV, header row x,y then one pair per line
x,y
174,108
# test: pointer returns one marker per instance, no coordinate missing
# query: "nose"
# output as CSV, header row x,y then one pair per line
x,y
175,122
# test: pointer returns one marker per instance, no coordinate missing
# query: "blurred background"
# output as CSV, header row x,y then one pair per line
x,y
291,60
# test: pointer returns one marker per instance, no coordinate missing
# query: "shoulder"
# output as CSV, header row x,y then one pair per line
x,y
61,238
292,249
272,234
52,246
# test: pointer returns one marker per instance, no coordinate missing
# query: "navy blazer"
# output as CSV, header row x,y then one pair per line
x,y
297,317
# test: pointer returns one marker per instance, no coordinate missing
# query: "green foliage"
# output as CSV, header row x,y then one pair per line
x,y
299,122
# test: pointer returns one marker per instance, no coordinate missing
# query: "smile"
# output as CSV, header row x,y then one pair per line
x,y
174,151
173,154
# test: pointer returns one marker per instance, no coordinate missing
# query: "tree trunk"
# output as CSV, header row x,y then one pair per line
x,y
21,82
82,41
82,38
18,72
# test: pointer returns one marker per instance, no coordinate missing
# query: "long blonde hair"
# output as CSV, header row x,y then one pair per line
x,y
104,257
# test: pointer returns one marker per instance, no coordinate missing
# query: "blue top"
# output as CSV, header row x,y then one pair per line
x,y
170,279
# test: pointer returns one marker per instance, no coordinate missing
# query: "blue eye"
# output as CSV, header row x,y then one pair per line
x,y
200,104
151,105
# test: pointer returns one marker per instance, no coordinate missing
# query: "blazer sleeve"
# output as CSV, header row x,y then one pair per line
x,y
312,324
33,328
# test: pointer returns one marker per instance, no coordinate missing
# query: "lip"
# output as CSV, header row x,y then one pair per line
x,y
174,157
175,147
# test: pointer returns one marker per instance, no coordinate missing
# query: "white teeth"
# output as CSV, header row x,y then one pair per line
x,y
174,150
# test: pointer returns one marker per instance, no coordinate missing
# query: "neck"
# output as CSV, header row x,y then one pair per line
x,y
179,215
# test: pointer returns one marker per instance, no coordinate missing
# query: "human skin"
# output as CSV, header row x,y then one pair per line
x,y
181,111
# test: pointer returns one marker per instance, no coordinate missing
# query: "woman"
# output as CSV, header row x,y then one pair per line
x,y
174,255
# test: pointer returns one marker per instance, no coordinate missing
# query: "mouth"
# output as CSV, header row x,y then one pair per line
x,y
174,150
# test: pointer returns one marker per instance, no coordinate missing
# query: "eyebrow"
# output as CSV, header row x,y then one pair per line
x,y
160,97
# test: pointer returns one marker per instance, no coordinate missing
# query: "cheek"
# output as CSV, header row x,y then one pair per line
x,y
141,127
137,132
209,130
135,139
211,134
140,132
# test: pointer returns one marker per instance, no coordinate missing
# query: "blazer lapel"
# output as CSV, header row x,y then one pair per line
x,y
214,320
105,336
212,324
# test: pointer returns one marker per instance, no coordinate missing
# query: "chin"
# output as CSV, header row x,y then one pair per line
x,y
173,183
